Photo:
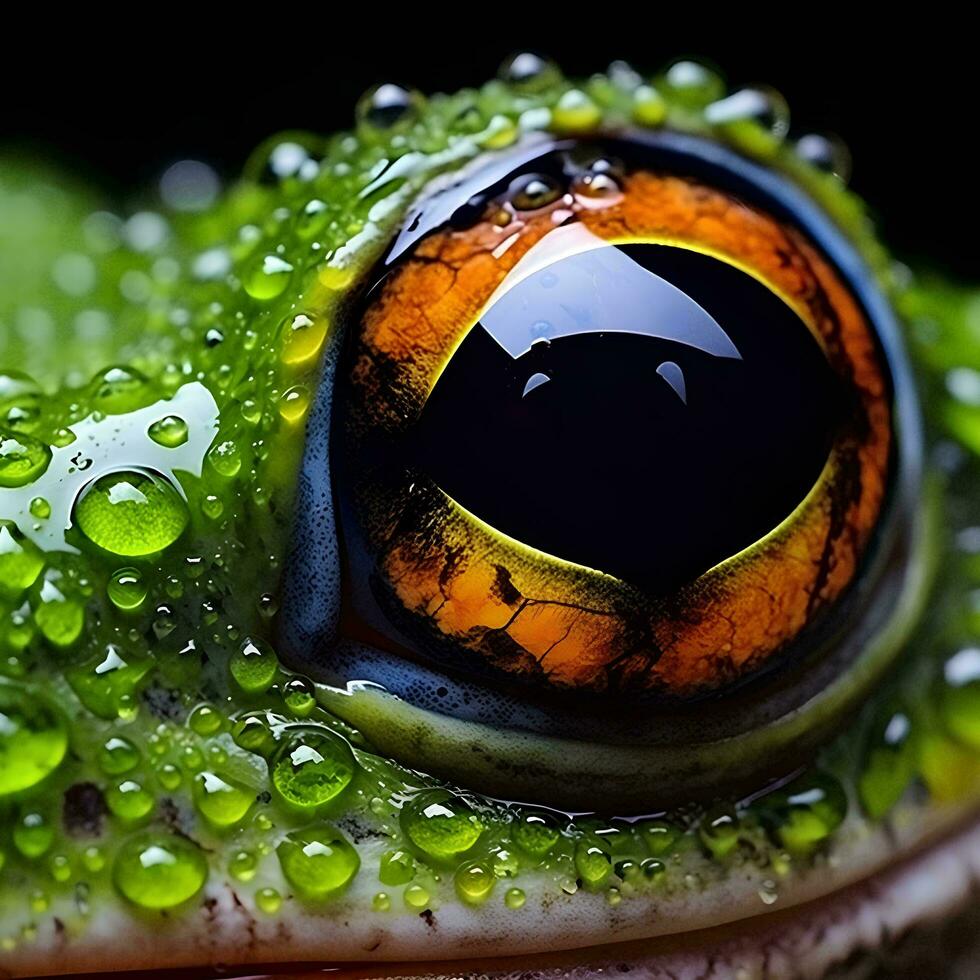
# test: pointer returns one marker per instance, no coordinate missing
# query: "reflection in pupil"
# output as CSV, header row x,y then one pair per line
x,y
623,448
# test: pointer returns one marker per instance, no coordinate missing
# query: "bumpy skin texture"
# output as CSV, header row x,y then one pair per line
x,y
173,794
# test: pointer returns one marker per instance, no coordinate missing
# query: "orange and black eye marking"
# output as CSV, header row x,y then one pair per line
x,y
671,552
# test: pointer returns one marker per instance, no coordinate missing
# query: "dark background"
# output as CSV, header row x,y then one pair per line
x,y
118,110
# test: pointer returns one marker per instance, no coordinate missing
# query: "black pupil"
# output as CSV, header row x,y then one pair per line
x,y
650,449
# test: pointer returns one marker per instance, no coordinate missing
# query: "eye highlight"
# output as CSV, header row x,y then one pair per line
x,y
633,443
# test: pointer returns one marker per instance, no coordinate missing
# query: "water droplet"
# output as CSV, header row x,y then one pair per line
x,y
575,113
530,72
826,153
157,872
131,514
474,882
120,389
592,863
381,902
21,561
441,825
294,404
396,868
299,697
268,900
536,834
107,685
40,508
33,738
719,831
22,459
303,335
129,800
312,769
126,589
515,898
170,431
416,897
243,865
33,834
318,862
692,84
267,277
254,666
755,118
221,803
226,458
805,813
118,756
388,107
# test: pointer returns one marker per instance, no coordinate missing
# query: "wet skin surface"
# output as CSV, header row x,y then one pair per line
x,y
292,605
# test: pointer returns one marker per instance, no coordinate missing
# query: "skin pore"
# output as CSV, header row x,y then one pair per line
x,y
184,783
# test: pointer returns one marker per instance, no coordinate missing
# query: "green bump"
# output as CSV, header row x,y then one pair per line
x,y
312,769
33,738
441,825
719,831
159,872
805,813
20,560
22,459
221,803
254,666
318,862
131,514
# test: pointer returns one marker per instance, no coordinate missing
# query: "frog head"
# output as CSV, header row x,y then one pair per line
x,y
533,530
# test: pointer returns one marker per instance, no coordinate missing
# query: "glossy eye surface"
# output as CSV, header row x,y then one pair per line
x,y
612,428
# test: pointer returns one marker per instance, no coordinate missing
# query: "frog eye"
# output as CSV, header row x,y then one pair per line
x,y
614,425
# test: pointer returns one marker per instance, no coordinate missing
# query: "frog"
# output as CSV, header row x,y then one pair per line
x,y
531,533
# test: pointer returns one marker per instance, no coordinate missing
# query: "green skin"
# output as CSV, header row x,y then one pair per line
x,y
238,777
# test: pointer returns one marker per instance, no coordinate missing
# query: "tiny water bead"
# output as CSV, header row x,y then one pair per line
x,y
576,113
299,696
33,738
22,458
805,813
126,589
592,863
530,72
268,900
171,431
40,508
159,872
131,514
294,404
204,720
254,666
515,898
719,831
318,862
312,769
416,897
441,825
226,458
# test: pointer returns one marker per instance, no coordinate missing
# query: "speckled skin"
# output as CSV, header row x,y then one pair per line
x,y
170,615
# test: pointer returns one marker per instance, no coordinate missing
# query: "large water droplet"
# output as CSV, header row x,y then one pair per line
x,y
131,514
318,862
441,825
312,769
